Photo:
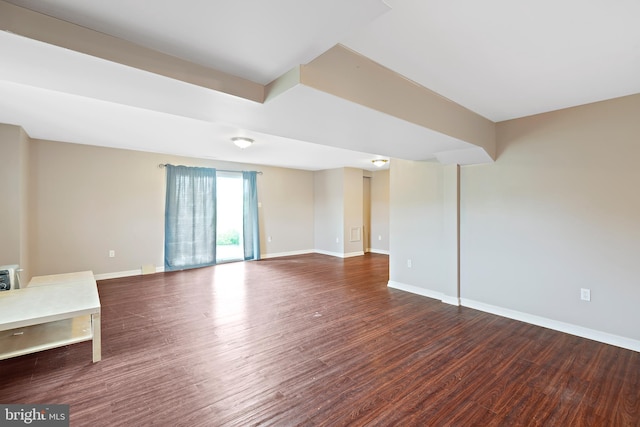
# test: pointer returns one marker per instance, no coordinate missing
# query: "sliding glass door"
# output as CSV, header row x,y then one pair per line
x,y
229,226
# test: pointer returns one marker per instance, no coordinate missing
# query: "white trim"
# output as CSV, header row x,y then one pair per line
x,y
338,254
379,251
429,293
138,272
118,274
544,322
281,254
311,251
568,328
450,300
352,254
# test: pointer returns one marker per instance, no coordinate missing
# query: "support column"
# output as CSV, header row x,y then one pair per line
x,y
451,188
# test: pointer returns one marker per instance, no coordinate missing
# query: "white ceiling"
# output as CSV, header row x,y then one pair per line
x,y
506,59
499,58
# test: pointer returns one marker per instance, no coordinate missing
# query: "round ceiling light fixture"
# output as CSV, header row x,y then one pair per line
x,y
242,142
379,162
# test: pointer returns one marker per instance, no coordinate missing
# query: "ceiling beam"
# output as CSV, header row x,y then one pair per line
x,y
349,75
60,33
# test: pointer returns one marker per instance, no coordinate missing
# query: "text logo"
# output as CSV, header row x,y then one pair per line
x,y
34,415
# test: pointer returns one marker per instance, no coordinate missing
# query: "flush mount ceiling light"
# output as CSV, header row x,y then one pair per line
x,y
241,141
379,162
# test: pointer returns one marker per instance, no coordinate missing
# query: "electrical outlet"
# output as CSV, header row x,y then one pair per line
x,y
112,253
585,294
379,237
337,240
409,263
269,239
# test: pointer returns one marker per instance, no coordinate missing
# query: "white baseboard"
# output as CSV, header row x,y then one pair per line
x,y
138,272
311,251
592,334
281,254
352,254
378,251
429,293
556,325
338,254
119,274
447,299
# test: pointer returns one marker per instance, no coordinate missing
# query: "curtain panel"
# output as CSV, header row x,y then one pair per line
x,y
250,216
190,218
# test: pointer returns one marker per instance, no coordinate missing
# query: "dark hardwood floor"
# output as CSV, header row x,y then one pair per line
x,y
316,340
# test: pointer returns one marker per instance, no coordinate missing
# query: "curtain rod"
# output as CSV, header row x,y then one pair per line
x,y
162,165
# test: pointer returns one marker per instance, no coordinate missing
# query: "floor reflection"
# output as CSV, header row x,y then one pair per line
x,y
229,289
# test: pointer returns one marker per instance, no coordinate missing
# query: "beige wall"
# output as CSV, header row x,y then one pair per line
x,y
380,211
339,198
10,186
450,233
14,186
287,212
24,223
78,202
559,211
416,226
329,211
353,215
89,200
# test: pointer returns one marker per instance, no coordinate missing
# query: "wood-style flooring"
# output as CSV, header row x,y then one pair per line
x,y
316,340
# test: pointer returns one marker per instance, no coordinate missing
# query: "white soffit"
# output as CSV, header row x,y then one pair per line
x,y
96,87
256,40
316,116
51,115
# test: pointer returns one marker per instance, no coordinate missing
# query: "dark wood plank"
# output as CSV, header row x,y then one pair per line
x,y
316,340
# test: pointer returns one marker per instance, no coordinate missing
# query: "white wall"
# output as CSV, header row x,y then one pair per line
x,y
559,211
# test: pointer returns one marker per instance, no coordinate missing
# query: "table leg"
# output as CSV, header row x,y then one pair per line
x,y
97,339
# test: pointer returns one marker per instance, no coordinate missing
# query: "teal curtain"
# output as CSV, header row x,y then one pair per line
x,y
190,218
250,216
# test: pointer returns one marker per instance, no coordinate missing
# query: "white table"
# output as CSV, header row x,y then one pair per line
x,y
53,311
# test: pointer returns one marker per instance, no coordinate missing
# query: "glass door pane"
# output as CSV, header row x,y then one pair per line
x,y
229,217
